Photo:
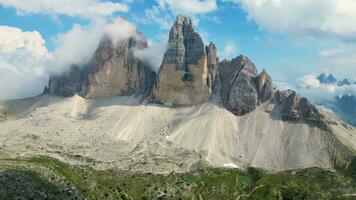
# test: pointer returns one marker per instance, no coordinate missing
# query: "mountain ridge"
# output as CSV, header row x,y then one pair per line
x,y
194,112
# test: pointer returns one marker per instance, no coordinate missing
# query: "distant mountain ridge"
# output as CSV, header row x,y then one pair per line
x,y
330,79
326,79
344,105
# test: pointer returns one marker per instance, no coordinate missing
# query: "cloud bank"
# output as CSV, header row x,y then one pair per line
x,y
21,62
311,87
77,46
313,18
81,8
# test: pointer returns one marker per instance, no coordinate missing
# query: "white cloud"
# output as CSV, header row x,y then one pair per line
x,y
153,55
315,18
330,52
165,11
159,15
309,81
189,6
229,51
81,8
310,87
21,62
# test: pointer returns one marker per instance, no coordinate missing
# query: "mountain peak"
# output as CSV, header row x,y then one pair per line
x,y
344,82
326,79
113,70
183,78
183,20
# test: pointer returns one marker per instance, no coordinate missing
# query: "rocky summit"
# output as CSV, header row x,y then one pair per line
x,y
114,70
326,79
292,107
242,88
187,71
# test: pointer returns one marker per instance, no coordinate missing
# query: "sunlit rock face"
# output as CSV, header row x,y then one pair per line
x,y
184,77
114,70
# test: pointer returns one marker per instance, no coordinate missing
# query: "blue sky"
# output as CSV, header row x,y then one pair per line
x,y
290,39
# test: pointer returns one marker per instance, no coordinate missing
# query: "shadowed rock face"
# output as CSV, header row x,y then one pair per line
x,y
242,89
184,77
213,65
264,86
67,84
113,71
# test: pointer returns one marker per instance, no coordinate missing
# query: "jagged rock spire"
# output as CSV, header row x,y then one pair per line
x,y
183,78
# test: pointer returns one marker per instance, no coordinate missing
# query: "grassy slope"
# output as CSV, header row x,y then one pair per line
x,y
56,179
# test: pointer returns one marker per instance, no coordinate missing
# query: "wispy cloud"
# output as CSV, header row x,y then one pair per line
x,y
189,7
311,18
229,51
330,52
74,8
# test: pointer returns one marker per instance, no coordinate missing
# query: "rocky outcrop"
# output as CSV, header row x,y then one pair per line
x,y
242,89
113,71
292,107
184,76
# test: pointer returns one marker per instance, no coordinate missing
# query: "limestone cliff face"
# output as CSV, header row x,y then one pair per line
x,y
242,88
184,76
264,86
213,65
113,71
